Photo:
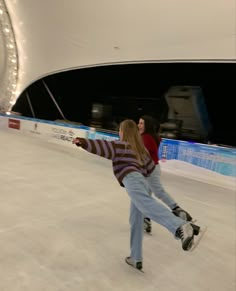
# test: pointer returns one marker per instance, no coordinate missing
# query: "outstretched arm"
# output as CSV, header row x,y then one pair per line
x,y
98,147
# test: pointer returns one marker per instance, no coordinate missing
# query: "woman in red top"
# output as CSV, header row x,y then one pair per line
x,y
149,135
152,140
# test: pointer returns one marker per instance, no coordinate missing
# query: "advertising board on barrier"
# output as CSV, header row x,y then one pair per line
x,y
168,149
64,135
218,159
36,128
33,127
14,123
48,130
61,133
53,132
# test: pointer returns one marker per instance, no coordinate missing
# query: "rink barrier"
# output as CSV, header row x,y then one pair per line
x,y
216,159
52,131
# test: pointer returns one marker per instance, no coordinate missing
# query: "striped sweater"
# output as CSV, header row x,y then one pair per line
x,y
123,157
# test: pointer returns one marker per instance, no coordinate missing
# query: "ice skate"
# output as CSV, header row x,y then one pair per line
x,y
178,211
147,225
132,263
186,234
196,229
201,232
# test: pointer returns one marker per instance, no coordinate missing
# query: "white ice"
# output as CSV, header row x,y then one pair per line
x,y
64,226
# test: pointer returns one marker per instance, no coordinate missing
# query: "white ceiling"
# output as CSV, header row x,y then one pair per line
x,y
55,35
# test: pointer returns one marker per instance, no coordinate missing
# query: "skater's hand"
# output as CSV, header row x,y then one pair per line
x,y
76,141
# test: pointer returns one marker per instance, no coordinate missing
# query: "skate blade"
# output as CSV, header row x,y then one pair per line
x,y
148,233
199,237
147,230
140,270
136,268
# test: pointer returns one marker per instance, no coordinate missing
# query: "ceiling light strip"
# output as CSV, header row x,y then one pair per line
x,y
8,80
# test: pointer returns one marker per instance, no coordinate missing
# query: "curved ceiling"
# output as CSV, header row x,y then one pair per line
x,y
59,35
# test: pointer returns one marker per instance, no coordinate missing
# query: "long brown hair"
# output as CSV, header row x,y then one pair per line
x,y
131,135
151,127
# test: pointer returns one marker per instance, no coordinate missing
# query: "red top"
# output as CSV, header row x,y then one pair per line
x,y
151,146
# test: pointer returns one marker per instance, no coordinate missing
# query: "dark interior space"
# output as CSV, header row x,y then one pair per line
x,y
133,90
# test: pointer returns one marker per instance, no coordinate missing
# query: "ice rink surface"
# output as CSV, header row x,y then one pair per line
x,y
64,226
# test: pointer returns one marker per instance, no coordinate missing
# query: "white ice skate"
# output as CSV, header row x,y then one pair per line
x,y
132,263
199,232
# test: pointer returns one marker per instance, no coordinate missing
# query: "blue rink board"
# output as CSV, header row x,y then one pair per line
x,y
218,159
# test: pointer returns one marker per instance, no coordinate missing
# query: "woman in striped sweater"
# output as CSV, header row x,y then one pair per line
x,y
151,140
131,165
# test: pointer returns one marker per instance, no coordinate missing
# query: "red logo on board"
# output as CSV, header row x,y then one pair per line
x,y
14,123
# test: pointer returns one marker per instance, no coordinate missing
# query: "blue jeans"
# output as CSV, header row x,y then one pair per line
x,y
142,204
158,190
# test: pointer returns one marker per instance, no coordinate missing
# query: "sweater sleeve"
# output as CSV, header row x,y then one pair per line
x,y
102,148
